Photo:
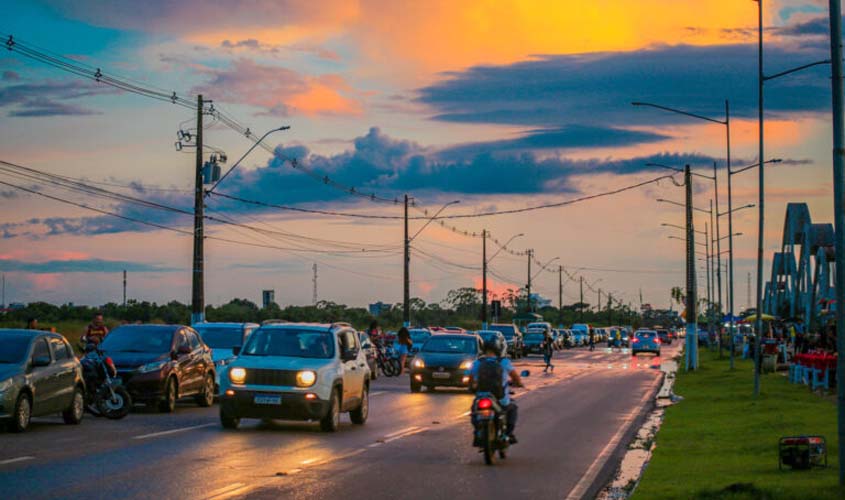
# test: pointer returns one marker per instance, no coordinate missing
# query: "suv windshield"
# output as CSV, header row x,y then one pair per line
x,y
507,330
419,336
447,344
534,336
138,339
290,342
646,334
13,348
221,337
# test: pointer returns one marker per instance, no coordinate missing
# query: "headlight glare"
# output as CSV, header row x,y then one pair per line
x,y
419,363
306,378
466,365
237,375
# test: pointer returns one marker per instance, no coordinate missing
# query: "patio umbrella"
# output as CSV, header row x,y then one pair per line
x,y
753,318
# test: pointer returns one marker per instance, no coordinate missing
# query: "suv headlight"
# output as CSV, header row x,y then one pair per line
x,y
237,375
419,363
5,384
306,378
151,367
466,365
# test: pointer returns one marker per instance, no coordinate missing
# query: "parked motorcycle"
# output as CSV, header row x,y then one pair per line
x,y
105,395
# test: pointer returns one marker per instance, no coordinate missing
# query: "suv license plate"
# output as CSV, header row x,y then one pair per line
x,y
441,375
263,399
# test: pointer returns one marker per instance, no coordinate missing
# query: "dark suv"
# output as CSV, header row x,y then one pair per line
x,y
513,336
665,337
162,363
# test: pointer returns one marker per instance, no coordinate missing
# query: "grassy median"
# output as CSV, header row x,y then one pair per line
x,y
719,443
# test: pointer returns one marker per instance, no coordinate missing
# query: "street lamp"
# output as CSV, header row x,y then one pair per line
x,y
486,261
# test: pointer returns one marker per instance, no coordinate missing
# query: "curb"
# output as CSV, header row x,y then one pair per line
x,y
605,474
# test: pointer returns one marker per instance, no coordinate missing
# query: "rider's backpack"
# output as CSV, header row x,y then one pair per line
x,y
490,376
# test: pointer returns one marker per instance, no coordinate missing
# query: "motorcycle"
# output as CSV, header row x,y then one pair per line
x,y
105,395
490,423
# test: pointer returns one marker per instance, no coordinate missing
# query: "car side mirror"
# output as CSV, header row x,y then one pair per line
x,y
349,354
41,361
525,373
236,350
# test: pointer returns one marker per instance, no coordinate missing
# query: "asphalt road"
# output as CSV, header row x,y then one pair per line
x,y
413,445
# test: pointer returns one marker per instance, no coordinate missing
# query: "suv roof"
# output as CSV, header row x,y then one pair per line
x,y
304,325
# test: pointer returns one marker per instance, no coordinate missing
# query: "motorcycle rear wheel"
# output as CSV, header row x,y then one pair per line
x,y
488,435
117,407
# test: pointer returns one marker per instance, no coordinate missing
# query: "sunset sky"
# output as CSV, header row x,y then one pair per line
x,y
498,104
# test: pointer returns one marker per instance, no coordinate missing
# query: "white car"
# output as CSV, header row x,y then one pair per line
x,y
297,371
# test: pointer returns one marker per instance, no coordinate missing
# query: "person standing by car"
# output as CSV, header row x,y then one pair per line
x,y
592,340
403,347
96,331
548,350
374,333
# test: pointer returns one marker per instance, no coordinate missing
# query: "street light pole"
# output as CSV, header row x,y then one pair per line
x,y
708,269
581,304
718,258
839,216
560,295
760,202
197,281
528,288
406,292
691,314
484,279
730,233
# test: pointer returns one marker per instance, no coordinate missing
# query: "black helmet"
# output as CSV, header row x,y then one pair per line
x,y
494,344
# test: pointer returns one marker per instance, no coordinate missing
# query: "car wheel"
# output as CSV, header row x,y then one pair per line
x,y
360,414
168,404
22,414
206,397
415,386
229,422
73,415
331,421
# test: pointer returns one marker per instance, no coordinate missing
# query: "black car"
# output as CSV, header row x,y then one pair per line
x,y
39,375
162,363
665,337
445,360
512,336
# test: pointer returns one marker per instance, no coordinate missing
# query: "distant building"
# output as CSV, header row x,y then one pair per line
x,y
539,302
379,308
268,297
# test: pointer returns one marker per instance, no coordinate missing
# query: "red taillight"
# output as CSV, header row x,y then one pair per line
x,y
657,340
635,340
485,403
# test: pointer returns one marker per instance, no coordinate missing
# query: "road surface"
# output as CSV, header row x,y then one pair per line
x,y
572,422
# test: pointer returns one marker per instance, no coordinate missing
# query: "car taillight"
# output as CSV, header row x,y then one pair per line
x,y
657,340
485,403
635,339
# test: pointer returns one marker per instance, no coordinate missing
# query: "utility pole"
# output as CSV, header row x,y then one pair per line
x,y
560,295
528,297
198,283
839,215
4,290
758,330
717,279
124,288
730,235
581,305
406,309
609,309
641,299
598,304
484,279
748,291
314,295
710,281
691,314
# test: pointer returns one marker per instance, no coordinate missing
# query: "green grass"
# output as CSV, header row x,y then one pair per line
x,y
720,443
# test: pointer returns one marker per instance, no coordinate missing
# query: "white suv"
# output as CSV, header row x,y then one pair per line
x,y
297,371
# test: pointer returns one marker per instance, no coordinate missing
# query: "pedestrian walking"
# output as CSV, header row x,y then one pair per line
x,y
403,347
548,350
592,340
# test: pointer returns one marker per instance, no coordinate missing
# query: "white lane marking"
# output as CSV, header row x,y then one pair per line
x,y
234,493
376,393
410,433
225,489
294,471
407,429
587,479
15,460
309,461
171,431
373,445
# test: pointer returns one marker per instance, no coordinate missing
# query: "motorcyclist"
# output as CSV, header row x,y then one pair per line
x,y
493,353
96,331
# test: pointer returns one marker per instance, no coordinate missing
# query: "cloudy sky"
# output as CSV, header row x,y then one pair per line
x,y
499,104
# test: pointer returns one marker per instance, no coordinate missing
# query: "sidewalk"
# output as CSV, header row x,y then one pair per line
x,y
718,442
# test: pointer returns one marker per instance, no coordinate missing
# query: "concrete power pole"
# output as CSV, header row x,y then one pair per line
x,y
406,298
314,295
198,284
581,304
528,288
124,288
484,279
560,295
691,362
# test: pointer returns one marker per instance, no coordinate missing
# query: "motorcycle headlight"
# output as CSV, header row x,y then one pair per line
x,y
466,365
306,378
419,363
5,384
151,367
237,375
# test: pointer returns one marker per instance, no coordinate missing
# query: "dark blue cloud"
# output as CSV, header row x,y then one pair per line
x,y
81,266
597,89
48,98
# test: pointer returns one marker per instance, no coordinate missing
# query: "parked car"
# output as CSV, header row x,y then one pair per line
x,y
513,337
645,341
445,360
542,327
39,375
370,353
160,364
298,371
533,342
664,336
221,338
487,335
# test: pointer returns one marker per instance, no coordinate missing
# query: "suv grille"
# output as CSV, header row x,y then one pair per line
x,y
270,377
